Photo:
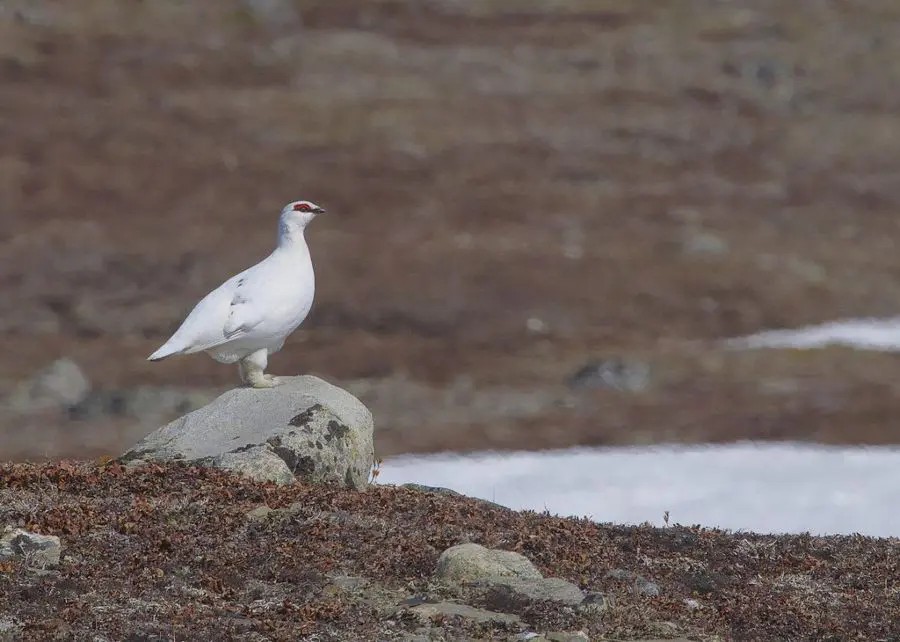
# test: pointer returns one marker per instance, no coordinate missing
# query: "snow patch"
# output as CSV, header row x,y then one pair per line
x,y
765,488
864,334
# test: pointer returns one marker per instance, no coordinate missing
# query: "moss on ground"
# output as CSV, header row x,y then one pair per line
x,y
163,552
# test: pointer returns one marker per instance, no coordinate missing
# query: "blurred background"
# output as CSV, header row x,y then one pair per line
x,y
543,216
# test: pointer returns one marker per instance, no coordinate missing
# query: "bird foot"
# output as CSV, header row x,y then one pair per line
x,y
263,381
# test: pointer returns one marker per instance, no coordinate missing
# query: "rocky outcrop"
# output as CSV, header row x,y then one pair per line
x,y
304,429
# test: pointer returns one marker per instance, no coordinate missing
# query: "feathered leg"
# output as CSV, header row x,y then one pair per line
x,y
252,370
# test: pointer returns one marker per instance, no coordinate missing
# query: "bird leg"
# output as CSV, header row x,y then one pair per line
x,y
252,370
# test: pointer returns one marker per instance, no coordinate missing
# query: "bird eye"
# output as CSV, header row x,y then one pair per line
x,y
302,207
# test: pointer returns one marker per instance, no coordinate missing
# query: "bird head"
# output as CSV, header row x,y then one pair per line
x,y
295,216
300,213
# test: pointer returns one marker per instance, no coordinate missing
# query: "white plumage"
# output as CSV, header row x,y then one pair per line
x,y
248,317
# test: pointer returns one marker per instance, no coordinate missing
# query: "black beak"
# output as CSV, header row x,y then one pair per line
x,y
319,210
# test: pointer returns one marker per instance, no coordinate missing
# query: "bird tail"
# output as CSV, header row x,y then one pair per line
x,y
166,350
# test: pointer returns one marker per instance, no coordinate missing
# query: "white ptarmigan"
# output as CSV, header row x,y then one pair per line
x,y
248,317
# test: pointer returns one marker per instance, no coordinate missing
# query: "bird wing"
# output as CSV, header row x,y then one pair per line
x,y
230,312
221,316
244,313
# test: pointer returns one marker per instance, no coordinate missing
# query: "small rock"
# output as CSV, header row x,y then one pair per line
x,y
10,630
259,513
288,512
619,574
349,583
39,550
425,612
700,243
645,587
595,603
62,384
472,562
536,325
516,593
666,629
416,600
809,271
692,604
627,375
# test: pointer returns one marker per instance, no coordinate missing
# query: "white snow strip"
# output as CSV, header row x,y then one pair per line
x,y
865,334
765,488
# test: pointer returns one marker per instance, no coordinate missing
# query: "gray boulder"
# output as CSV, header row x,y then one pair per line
x,y
304,428
473,562
504,580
